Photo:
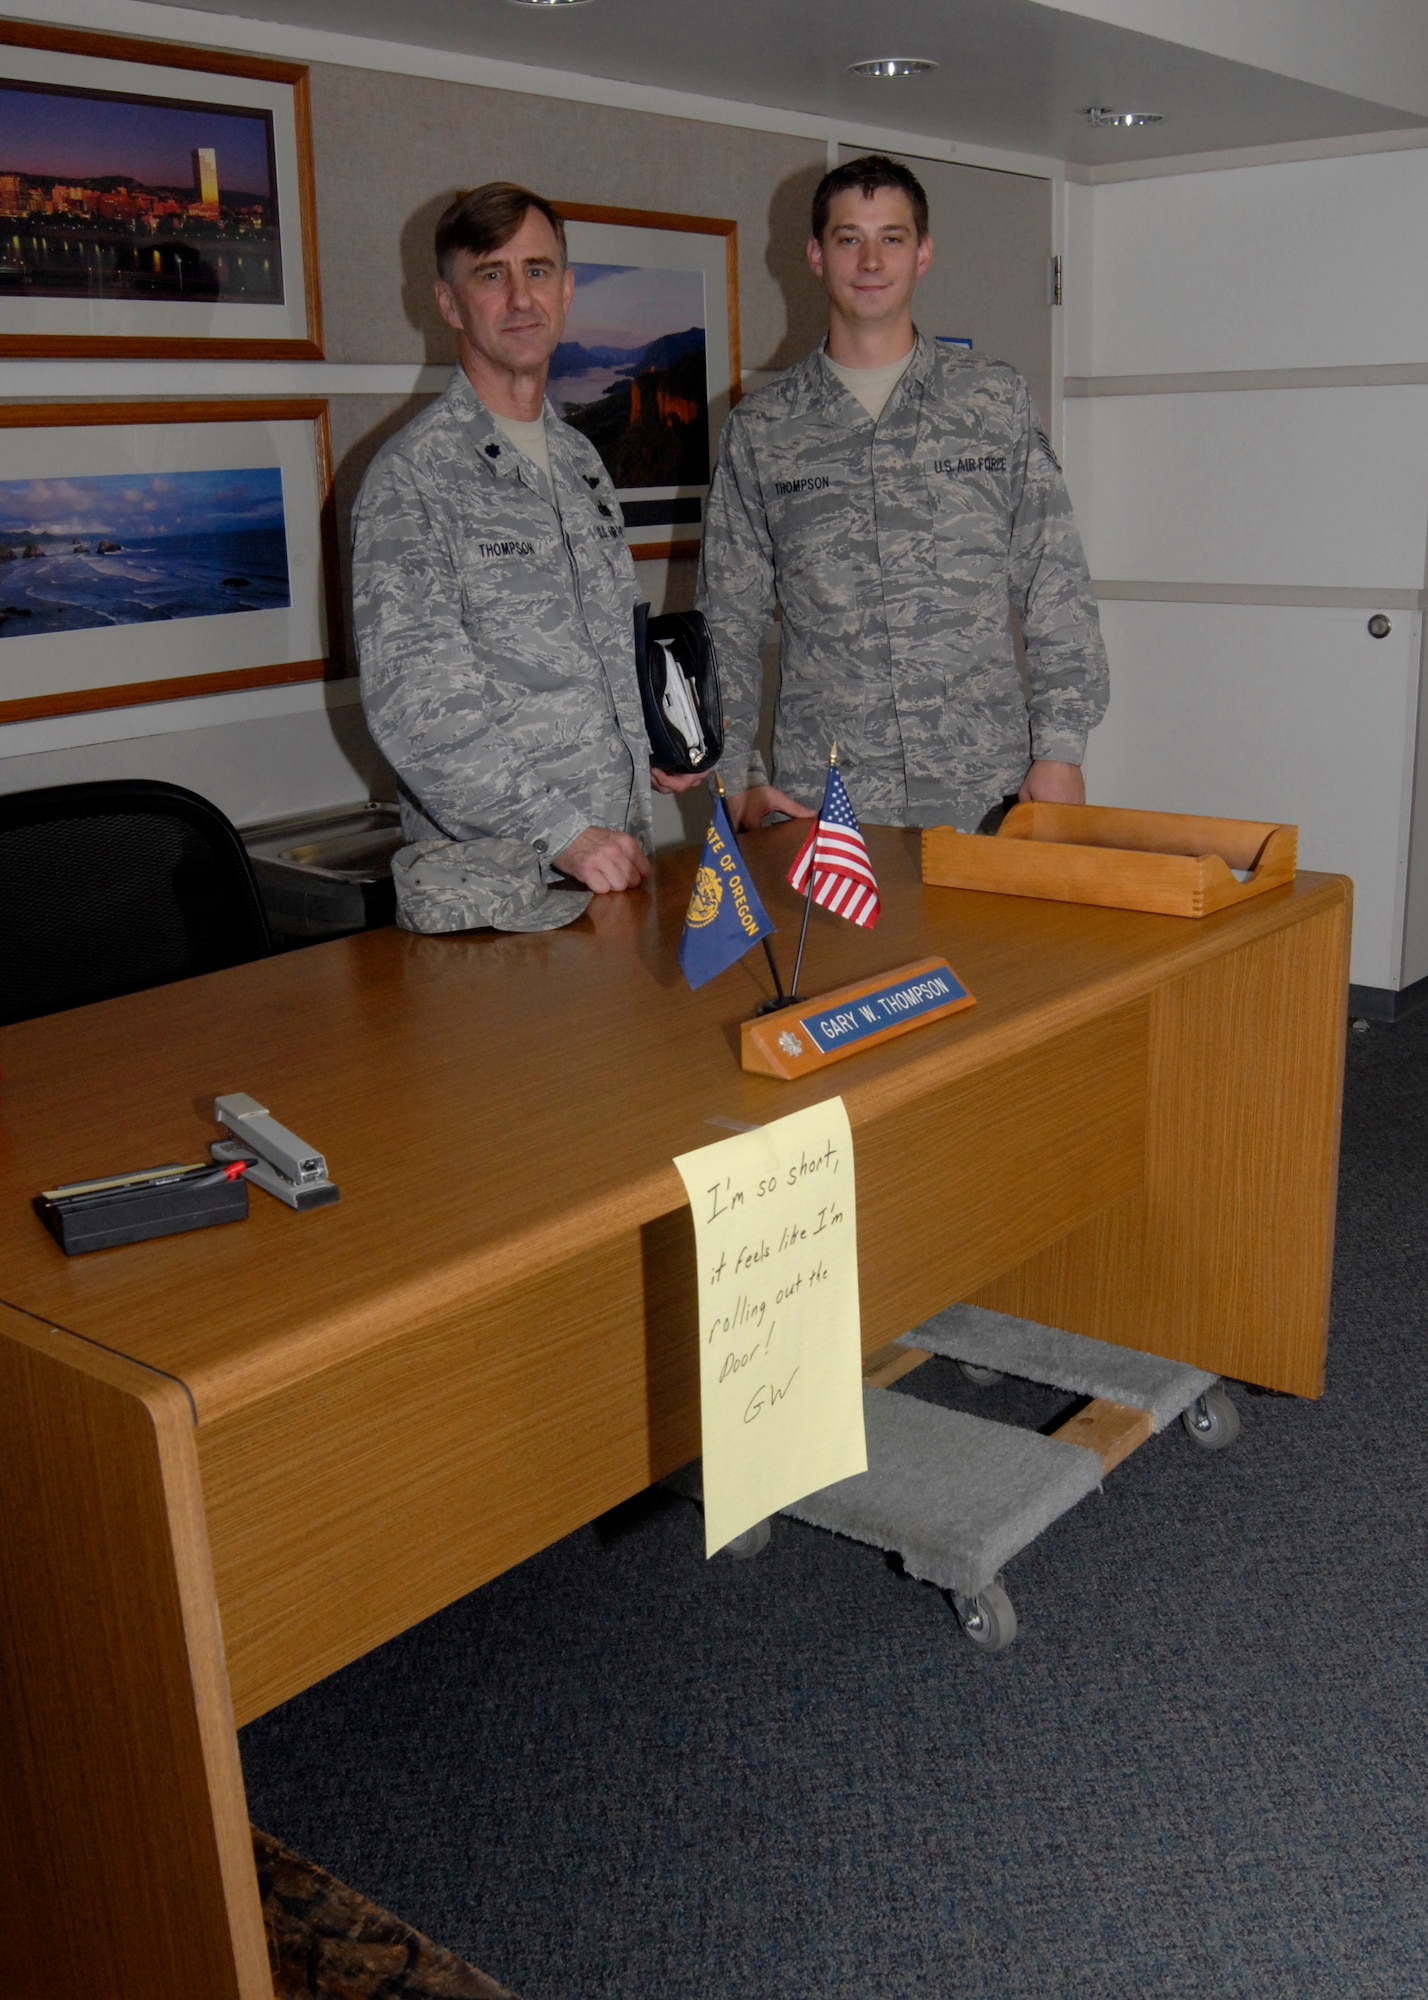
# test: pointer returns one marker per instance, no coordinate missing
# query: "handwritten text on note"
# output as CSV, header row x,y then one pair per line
x,y
780,1349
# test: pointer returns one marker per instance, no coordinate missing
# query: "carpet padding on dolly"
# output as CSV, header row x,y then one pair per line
x,y
1064,1360
955,1495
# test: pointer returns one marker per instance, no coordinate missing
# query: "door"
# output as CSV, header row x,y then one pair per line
x,y
991,251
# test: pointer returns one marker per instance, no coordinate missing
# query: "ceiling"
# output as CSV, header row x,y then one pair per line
x,y
1013,74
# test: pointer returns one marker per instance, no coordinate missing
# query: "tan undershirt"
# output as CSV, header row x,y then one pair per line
x,y
871,386
530,439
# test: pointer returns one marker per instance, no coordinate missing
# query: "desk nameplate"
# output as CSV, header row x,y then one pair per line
x,y
809,1035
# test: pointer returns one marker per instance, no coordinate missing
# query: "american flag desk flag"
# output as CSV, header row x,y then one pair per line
x,y
832,868
843,879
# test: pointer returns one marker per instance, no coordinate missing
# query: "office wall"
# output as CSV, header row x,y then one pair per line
x,y
1246,436
389,151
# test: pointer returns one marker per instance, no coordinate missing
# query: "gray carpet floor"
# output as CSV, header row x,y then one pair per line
x,y
620,1771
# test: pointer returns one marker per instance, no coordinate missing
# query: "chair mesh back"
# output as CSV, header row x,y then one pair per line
x,y
106,895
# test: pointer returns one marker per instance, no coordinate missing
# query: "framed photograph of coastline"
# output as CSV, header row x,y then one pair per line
x,y
155,201
150,551
649,365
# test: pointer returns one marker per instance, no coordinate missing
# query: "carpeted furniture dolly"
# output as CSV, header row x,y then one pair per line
x,y
957,1495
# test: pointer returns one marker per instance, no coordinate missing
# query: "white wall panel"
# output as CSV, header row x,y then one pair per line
x,y
1310,486
1415,915
1078,432
259,768
1312,264
1258,713
1078,264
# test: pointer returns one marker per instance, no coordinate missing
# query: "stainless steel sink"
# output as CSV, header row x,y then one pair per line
x,y
327,873
346,857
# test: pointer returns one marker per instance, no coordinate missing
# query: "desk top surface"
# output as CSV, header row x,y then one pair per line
x,y
491,1104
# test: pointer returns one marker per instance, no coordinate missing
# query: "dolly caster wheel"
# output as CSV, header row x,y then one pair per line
x,y
987,1619
1212,1421
752,1542
981,1378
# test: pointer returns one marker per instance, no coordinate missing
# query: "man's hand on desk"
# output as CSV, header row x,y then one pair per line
x,y
1053,783
676,781
752,808
604,860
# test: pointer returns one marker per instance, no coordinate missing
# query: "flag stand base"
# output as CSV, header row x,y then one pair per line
x,y
793,1038
776,1003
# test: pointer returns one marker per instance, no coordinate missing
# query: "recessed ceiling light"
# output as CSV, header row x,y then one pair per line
x,y
1102,114
892,66
549,3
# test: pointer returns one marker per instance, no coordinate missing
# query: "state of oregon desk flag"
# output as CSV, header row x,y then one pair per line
x,y
725,917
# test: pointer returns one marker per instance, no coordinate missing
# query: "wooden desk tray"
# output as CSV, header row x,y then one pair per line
x,y
1170,863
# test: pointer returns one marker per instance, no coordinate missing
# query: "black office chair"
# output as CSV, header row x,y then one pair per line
x,y
114,886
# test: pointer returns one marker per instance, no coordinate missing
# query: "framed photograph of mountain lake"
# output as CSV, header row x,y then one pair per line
x,y
150,551
154,200
649,364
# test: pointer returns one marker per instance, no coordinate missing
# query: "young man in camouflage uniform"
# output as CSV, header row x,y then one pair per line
x,y
891,496
493,589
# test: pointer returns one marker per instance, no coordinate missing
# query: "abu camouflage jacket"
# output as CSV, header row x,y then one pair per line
x,y
494,633
892,550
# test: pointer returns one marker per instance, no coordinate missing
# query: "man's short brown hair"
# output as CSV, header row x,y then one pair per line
x,y
868,174
486,218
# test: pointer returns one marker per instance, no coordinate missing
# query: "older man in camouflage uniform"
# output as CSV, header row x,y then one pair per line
x,y
891,496
493,591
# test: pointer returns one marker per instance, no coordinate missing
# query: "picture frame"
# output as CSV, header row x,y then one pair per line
x,y
630,374
155,551
156,201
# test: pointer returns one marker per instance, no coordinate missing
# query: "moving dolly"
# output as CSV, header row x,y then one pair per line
x,y
956,1495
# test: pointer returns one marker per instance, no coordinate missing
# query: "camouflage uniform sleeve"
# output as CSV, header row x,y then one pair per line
x,y
421,678
1051,588
736,595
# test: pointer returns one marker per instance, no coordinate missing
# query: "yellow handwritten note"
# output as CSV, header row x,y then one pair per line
x,y
781,1378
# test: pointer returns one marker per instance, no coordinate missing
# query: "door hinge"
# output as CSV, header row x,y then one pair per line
x,y
1053,281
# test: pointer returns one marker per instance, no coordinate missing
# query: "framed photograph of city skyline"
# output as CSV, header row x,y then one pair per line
x,y
648,367
155,201
150,551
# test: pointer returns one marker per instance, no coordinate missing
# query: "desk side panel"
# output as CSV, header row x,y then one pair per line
x,y
126,1847
1225,1260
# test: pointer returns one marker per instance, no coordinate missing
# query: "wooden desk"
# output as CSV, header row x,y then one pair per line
x,y
238,1459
